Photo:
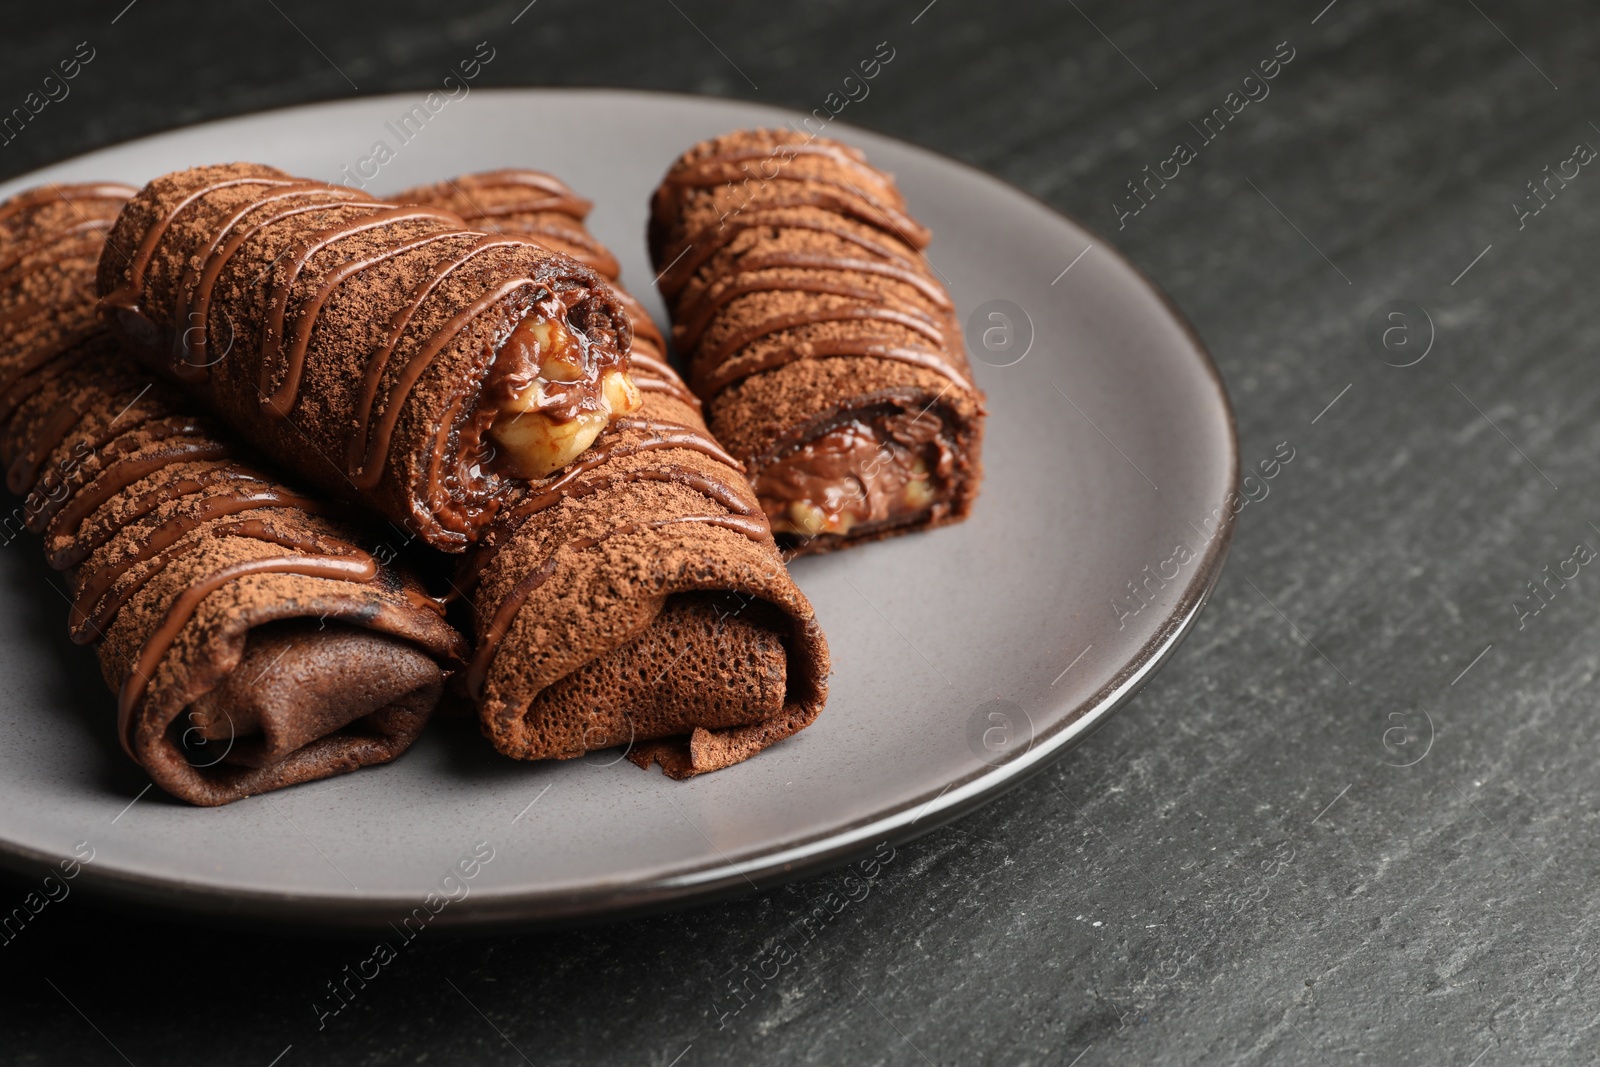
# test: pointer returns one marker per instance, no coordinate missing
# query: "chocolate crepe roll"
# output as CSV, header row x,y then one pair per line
x,y
636,598
827,353
252,643
385,351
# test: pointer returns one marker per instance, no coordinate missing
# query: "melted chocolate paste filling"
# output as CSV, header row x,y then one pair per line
x,y
522,360
568,378
868,472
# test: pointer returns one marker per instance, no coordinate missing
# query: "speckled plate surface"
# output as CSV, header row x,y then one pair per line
x,y
964,658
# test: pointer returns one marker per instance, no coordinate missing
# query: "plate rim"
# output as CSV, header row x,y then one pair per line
x,y
514,909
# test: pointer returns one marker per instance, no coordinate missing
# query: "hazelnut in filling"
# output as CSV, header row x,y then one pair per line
x,y
552,390
870,472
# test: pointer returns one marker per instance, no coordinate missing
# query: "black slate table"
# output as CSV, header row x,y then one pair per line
x,y
1349,822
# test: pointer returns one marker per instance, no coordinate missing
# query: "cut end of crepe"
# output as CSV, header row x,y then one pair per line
x,y
704,751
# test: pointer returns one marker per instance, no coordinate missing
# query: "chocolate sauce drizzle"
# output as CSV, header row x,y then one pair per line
x,y
914,301
531,194
51,193
725,168
142,443
356,566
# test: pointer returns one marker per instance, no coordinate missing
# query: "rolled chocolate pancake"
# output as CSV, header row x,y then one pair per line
x,y
252,643
385,352
635,598
827,353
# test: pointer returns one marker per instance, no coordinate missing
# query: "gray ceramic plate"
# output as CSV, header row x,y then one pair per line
x,y
964,658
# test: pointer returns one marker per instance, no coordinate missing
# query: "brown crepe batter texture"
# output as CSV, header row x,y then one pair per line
x,y
802,304
208,586
352,340
636,598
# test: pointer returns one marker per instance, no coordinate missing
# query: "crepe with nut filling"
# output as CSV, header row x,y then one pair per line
x,y
385,352
635,598
827,352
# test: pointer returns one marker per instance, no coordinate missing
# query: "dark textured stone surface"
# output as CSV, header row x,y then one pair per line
x,y
1234,870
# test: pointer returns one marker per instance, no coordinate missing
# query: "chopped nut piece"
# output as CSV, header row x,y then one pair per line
x,y
808,519
919,490
537,445
538,442
621,395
